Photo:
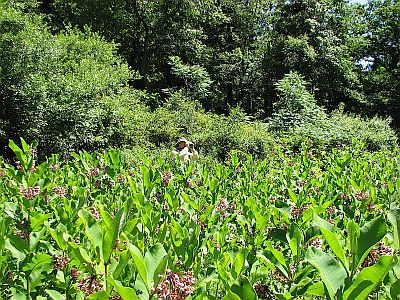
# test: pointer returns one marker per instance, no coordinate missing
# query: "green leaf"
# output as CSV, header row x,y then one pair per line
x,y
111,235
187,199
55,295
278,255
80,253
295,239
316,289
17,246
38,262
244,289
238,264
93,230
231,296
140,264
102,295
394,218
293,196
156,260
330,236
126,293
18,152
37,219
353,232
114,157
395,290
369,278
370,234
332,273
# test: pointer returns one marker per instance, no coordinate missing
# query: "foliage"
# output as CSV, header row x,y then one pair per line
x,y
299,225
297,114
296,106
58,89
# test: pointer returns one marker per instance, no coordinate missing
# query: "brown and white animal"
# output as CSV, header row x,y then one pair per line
x,y
185,150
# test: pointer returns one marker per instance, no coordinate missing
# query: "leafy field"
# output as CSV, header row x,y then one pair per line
x,y
300,225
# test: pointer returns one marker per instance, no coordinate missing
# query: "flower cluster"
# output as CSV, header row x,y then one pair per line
x,y
222,205
54,167
361,196
22,234
121,178
262,290
29,192
176,286
166,178
60,190
296,211
95,213
301,182
279,277
93,172
75,273
119,246
60,262
374,254
89,285
331,210
317,243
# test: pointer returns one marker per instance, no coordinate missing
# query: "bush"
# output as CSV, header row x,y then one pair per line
x,y
297,117
57,89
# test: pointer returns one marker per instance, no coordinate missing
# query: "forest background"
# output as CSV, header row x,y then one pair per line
x,y
227,74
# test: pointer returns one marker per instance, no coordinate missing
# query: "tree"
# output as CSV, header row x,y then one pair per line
x,y
379,57
311,38
56,88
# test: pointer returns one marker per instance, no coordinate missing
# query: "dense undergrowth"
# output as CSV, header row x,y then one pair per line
x,y
303,224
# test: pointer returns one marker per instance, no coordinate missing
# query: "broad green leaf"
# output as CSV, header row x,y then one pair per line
x,y
395,290
370,234
293,196
92,230
330,236
55,295
38,261
18,247
187,199
278,255
332,273
126,293
80,253
114,157
244,289
238,264
102,295
394,218
111,235
295,239
353,232
140,264
18,152
24,145
316,289
369,278
231,296
37,219
17,294
155,259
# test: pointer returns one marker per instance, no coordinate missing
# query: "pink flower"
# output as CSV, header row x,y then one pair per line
x,y
176,286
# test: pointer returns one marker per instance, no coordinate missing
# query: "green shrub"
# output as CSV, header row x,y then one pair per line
x,y
297,116
57,89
